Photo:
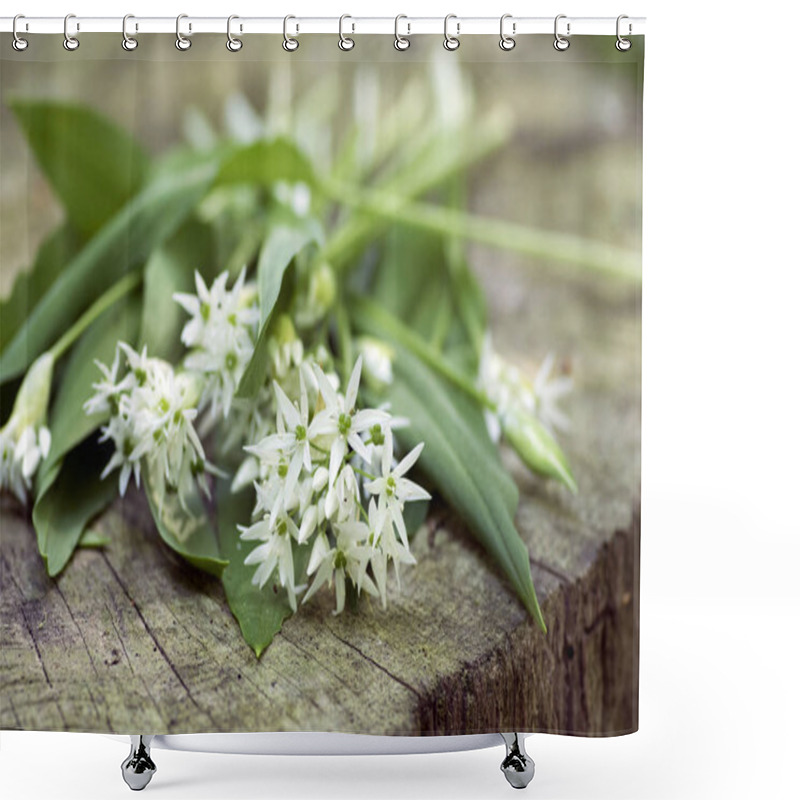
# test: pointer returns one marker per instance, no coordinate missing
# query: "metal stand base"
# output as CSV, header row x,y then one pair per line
x,y
138,768
517,766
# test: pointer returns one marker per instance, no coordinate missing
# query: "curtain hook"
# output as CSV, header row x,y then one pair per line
x,y
71,43
623,44
560,43
233,44
451,42
18,43
181,41
290,44
345,42
128,42
401,42
507,42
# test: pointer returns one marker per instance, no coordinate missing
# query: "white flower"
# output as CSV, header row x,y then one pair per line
x,y
333,564
549,390
512,392
305,481
276,551
152,423
349,422
341,501
384,544
25,439
393,490
221,333
20,456
378,358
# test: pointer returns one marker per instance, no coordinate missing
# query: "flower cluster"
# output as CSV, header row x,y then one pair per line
x,y
514,394
220,335
314,472
152,409
25,438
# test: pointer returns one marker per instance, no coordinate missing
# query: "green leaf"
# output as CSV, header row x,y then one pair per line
x,y
68,422
94,166
266,162
259,612
29,287
189,533
537,448
121,246
284,241
455,460
171,269
69,498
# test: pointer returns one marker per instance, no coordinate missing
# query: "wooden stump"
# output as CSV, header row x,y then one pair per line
x,y
130,639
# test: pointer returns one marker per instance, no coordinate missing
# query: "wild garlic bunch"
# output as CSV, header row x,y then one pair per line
x,y
315,474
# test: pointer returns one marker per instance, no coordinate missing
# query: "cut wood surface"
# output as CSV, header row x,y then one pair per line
x,y
129,639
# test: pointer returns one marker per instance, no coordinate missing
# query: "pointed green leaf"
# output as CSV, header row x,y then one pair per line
x,y
94,166
284,241
189,533
456,462
68,500
55,252
259,612
266,162
171,269
121,246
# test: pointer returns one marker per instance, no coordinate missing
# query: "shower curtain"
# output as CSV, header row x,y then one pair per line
x,y
320,387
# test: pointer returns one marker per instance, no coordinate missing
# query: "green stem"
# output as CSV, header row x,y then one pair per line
x,y
363,474
344,336
103,303
574,250
444,159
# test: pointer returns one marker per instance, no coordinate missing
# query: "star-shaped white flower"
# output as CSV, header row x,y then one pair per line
x,y
336,564
276,551
349,423
393,490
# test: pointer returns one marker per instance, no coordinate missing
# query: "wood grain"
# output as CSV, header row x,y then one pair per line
x,y
131,639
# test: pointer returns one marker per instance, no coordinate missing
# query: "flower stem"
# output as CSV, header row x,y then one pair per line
x,y
588,254
103,303
363,474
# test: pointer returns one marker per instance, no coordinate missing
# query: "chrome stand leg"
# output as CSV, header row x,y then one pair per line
x,y
138,768
517,766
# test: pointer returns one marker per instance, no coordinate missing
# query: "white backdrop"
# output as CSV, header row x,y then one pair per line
x,y
720,532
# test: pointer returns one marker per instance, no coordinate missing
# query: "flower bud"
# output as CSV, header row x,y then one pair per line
x,y
33,397
378,357
536,447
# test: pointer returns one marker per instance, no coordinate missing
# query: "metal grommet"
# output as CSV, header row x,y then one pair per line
x,y
71,43
182,42
507,42
233,44
560,43
18,43
290,44
451,42
622,44
128,42
401,42
345,42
